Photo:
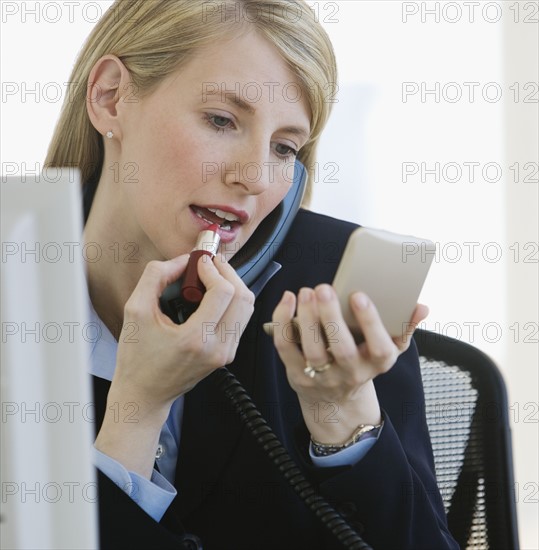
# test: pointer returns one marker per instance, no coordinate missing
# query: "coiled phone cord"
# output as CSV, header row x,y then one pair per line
x,y
264,435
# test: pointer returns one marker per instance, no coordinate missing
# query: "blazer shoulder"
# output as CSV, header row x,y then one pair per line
x,y
312,250
311,225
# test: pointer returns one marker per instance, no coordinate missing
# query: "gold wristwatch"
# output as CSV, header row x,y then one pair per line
x,y
363,431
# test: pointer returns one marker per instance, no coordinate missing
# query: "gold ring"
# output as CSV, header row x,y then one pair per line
x,y
311,371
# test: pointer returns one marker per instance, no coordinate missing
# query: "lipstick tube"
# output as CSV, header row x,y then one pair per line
x,y
192,290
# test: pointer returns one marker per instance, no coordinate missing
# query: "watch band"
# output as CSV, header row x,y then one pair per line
x,y
363,431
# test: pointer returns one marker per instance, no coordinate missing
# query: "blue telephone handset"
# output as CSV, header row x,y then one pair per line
x,y
252,259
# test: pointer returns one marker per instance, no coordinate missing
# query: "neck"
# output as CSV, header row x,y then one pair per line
x,y
108,297
114,262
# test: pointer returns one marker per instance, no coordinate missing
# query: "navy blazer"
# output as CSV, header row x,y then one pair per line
x,y
229,493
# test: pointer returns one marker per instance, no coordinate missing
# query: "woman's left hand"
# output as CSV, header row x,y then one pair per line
x,y
336,400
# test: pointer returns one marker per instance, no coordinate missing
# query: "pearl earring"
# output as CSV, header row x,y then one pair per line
x,y
110,134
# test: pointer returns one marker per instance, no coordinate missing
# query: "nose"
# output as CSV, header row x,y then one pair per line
x,y
250,168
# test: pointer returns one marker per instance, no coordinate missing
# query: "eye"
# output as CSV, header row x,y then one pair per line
x,y
285,151
218,122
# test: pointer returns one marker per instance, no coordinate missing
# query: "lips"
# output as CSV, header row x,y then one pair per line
x,y
227,218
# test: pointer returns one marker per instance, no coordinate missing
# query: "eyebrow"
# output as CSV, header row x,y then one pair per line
x,y
232,96
248,108
300,132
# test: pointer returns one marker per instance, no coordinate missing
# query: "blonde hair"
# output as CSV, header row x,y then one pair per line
x,y
153,38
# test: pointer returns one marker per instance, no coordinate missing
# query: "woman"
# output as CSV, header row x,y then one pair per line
x,y
172,103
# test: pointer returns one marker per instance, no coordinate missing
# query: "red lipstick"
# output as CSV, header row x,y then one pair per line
x,y
192,290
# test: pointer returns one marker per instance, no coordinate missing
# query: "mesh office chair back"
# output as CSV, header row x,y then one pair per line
x,y
467,415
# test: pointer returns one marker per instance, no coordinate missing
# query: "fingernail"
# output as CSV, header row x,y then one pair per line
x,y
287,297
179,258
324,293
360,300
304,295
206,259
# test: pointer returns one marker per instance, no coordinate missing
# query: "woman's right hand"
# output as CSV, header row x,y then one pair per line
x,y
157,360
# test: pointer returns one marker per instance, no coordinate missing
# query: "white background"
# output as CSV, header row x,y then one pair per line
x,y
483,286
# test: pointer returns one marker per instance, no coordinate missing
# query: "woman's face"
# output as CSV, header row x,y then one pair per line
x,y
215,142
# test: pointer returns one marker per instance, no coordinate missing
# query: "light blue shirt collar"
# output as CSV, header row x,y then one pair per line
x,y
103,347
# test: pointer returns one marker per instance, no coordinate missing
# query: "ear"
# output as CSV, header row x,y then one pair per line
x,y
107,79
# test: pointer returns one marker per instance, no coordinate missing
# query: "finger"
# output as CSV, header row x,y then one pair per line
x,y
155,278
218,296
312,331
403,342
242,306
283,330
380,348
228,272
237,315
421,312
226,307
338,337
